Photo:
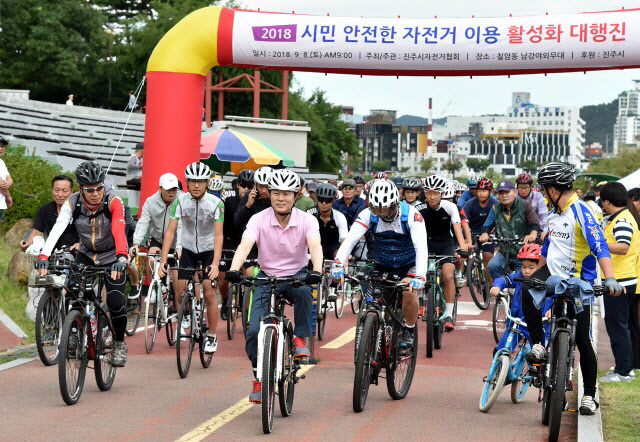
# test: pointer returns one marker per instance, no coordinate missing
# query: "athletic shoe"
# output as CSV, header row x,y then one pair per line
x,y
186,324
332,296
615,377
588,405
406,343
448,324
460,280
224,310
301,347
134,293
211,345
256,393
632,373
537,354
119,354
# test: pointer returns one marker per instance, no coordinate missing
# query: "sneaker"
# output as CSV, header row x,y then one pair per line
x,y
224,314
460,281
406,342
119,354
588,405
186,324
632,373
448,324
301,347
211,345
537,354
615,377
256,393
332,297
134,293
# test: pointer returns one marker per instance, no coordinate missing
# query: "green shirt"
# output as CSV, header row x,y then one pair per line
x,y
304,203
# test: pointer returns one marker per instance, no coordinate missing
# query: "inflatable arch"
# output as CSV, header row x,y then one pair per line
x,y
215,36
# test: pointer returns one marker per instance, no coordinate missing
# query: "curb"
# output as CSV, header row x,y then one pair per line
x,y
590,427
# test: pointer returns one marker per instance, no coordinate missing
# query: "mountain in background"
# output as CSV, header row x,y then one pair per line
x,y
599,119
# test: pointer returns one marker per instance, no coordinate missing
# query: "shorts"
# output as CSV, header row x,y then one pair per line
x,y
155,243
393,273
191,260
329,252
488,247
441,247
226,259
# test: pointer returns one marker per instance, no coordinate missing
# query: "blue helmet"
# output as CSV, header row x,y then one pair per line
x,y
472,182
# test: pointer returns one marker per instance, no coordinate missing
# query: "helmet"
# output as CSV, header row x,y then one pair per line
x,y
326,190
89,172
367,187
262,175
524,178
484,183
197,171
384,194
3,140
434,182
412,184
558,175
471,182
246,176
380,176
215,184
448,191
461,187
535,187
589,196
283,179
530,251
358,179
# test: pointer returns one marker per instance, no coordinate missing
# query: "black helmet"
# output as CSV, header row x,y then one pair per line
x,y
327,190
246,176
89,172
412,184
358,179
3,140
589,196
558,175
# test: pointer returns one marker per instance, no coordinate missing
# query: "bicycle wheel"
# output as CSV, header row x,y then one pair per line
x,y
134,311
185,337
72,366
170,326
558,388
339,303
430,315
269,361
321,309
519,386
286,384
152,316
364,360
232,310
356,299
400,374
205,358
104,371
49,321
494,382
499,317
477,284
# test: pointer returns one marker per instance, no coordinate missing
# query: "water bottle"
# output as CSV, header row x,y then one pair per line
x,y
94,323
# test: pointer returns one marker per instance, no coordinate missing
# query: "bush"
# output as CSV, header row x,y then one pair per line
x,y
31,184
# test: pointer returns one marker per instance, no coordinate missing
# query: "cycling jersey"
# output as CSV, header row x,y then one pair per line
x,y
198,220
477,214
157,213
574,242
438,221
332,232
466,196
232,236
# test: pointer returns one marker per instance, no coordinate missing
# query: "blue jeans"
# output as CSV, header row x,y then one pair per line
x,y
302,298
498,262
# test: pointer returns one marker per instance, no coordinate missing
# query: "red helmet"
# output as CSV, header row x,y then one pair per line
x,y
530,251
484,183
380,176
524,178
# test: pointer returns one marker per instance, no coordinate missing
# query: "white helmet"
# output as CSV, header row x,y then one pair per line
x,y
461,187
215,184
262,175
197,171
284,179
449,191
382,195
435,182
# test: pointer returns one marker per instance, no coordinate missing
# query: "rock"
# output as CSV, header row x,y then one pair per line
x,y
20,267
14,235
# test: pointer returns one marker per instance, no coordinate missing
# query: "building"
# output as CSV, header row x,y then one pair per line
x,y
626,129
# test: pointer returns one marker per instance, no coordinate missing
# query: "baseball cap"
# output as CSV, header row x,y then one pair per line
x,y
139,146
312,186
168,181
505,185
349,182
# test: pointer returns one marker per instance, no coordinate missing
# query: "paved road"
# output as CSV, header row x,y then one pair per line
x,y
149,401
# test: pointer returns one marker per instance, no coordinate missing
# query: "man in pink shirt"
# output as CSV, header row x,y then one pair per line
x,y
283,235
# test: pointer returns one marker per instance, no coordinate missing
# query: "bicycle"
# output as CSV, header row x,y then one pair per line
x,y
378,339
322,293
351,290
79,340
554,377
477,279
247,298
133,306
276,353
236,298
159,305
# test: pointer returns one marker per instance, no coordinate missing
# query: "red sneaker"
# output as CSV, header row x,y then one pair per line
x,y
301,347
256,393
448,324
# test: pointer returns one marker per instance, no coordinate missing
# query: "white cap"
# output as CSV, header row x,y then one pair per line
x,y
168,181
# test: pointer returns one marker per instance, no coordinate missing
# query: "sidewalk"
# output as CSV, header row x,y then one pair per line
x,y
8,338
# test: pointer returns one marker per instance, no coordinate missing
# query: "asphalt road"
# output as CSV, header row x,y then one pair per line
x,y
149,401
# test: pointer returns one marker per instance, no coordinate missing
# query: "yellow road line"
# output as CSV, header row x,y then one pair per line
x,y
207,428
343,339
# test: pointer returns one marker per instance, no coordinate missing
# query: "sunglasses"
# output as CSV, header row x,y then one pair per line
x,y
348,187
325,200
246,185
91,190
198,182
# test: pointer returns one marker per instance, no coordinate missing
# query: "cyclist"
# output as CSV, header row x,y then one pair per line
x,y
512,218
303,202
400,245
571,248
232,236
348,205
449,195
412,187
202,216
470,193
590,199
98,215
283,234
524,183
359,186
477,210
439,216
460,188
255,200
216,185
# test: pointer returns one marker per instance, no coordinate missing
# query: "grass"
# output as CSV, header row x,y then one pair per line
x,y
14,297
620,409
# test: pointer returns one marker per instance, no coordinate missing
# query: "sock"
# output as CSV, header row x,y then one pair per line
x,y
449,309
410,326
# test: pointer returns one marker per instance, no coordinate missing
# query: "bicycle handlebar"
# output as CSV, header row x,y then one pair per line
x,y
598,290
274,280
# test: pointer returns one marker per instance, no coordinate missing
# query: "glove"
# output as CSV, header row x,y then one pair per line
x,y
233,276
417,283
313,277
120,265
337,270
612,284
42,264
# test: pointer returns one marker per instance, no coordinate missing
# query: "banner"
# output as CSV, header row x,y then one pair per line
x,y
441,46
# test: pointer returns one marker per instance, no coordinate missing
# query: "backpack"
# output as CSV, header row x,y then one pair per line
x,y
404,219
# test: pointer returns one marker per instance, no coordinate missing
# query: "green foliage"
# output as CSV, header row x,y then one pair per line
x,y
381,165
626,162
530,166
494,176
599,119
31,184
478,165
426,164
453,166
14,297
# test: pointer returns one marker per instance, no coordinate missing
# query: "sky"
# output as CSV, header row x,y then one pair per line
x,y
455,95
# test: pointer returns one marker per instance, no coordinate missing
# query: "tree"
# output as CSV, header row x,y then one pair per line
x,y
626,162
453,166
530,166
404,170
381,165
354,163
478,165
426,165
494,176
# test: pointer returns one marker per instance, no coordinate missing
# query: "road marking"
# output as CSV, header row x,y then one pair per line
x,y
343,339
12,326
468,308
207,428
476,322
15,363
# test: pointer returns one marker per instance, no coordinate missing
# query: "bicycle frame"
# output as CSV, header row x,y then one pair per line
x,y
155,258
434,274
516,365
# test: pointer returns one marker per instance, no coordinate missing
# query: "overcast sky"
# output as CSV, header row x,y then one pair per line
x,y
456,95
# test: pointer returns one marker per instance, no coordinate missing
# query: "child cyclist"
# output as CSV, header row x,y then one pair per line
x,y
529,256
